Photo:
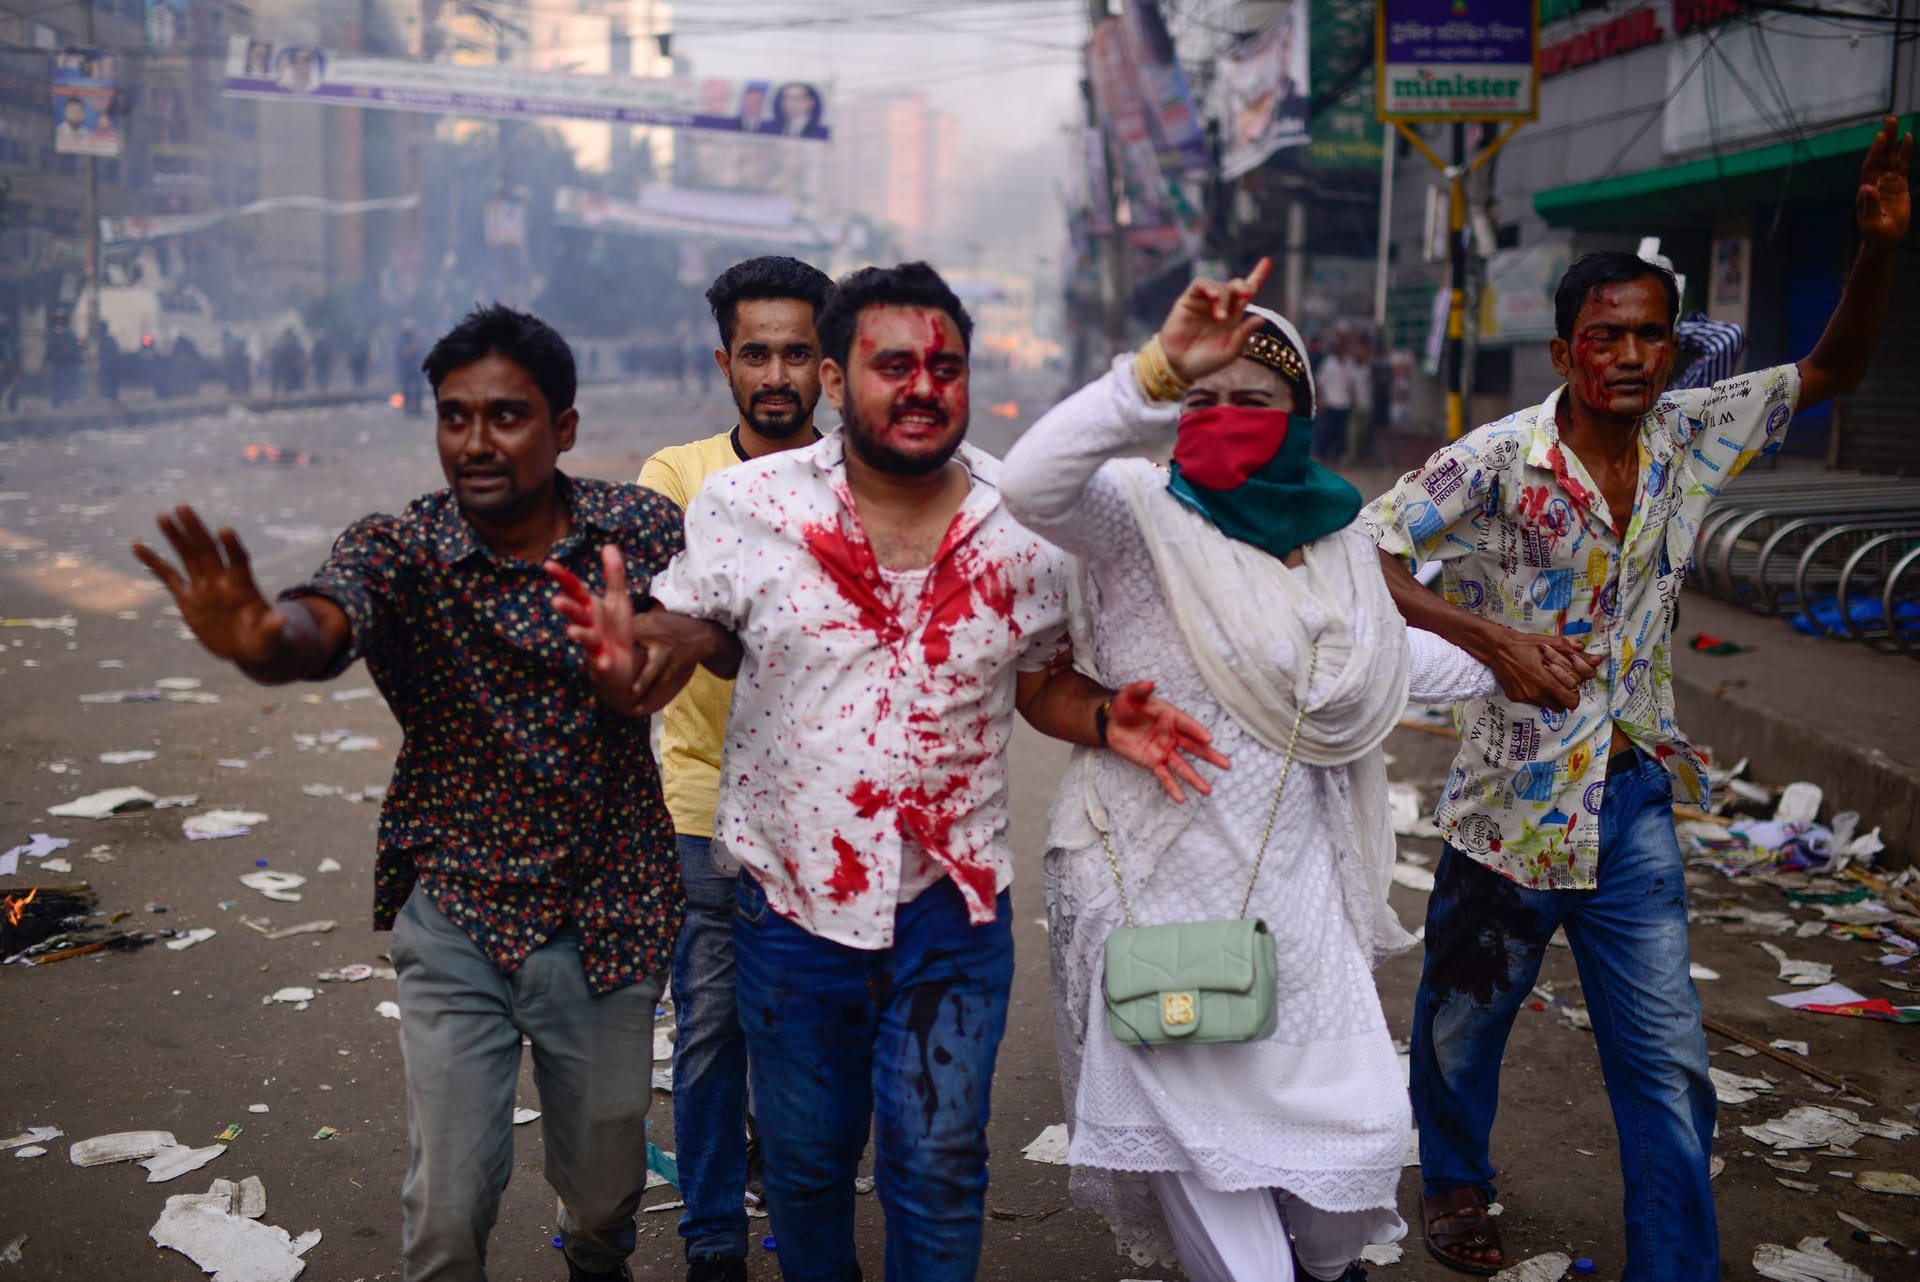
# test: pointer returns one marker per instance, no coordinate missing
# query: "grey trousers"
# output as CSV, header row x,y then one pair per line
x,y
460,1026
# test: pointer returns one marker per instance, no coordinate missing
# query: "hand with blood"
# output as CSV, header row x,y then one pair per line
x,y
1209,323
1883,206
603,627
215,589
1155,735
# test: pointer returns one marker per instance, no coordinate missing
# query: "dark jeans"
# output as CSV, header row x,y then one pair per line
x,y
1330,434
709,1063
904,1039
1485,938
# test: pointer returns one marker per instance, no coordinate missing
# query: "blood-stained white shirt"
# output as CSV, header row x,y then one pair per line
x,y
872,710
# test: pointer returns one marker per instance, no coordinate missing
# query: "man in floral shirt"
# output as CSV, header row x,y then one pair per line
x,y
526,862
1566,530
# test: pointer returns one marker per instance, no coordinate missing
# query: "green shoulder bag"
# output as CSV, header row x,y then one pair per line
x,y
1203,981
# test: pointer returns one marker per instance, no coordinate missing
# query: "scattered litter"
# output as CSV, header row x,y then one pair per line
x,y
126,758
31,1150
674,1205
11,1252
282,887
388,1010
326,1132
1791,1047
101,804
662,1045
1809,1261
352,974
192,937
1409,820
178,801
1791,1165
58,623
147,695
175,1160
1808,1126
329,864
663,1165
663,1079
1873,1234
1049,1146
1696,971
1383,1253
247,1199
1799,804
1794,971
57,865
304,928
120,1146
521,1116
1731,1088
1550,1267
233,763
215,824
1838,999
296,997
862,1184
1412,876
37,846
234,1248
359,743
1896,1182
32,1135
1891,1129
1798,1186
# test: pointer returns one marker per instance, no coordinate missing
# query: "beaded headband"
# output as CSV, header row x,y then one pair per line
x,y
1276,353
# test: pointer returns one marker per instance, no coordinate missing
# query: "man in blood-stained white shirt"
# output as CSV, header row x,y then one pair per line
x,y
884,616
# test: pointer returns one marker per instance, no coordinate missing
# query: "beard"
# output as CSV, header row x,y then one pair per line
x,y
781,427
877,454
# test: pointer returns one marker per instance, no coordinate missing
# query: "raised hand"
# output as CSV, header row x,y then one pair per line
x,y
215,589
602,626
1883,206
1155,735
1209,323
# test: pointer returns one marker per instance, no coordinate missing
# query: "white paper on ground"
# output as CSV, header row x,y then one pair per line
x,y
127,757
1825,995
1550,1267
1796,971
1809,1261
1808,1126
231,1247
192,937
282,887
99,805
215,824
31,1150
292,996
388,1010
1731,1088
32,1135
1799,804
521,1116
1384,1253
1696,971
1049,1146
120,1146
1895,1182
172,1162
1412,876
1791,1047
663,1045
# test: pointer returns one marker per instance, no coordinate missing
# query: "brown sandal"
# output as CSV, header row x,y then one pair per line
x,y
1457,1221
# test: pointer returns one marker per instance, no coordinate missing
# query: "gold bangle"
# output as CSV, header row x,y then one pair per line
x,y
1155,373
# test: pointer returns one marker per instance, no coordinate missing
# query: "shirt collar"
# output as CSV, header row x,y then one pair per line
x,y
589,505
829,458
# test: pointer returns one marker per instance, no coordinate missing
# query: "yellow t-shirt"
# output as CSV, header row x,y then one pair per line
x,y
694,726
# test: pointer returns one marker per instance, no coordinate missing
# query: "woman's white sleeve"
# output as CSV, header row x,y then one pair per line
x,y
1441,672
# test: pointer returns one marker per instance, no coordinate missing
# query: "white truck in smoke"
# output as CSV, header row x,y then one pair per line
x,y
166,333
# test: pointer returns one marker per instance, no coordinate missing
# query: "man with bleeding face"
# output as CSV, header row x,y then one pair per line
x,y
525,859
883,617
1565,531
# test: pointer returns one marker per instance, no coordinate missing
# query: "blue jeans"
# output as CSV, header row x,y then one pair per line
x,y
709,1063
903,1037
1485,938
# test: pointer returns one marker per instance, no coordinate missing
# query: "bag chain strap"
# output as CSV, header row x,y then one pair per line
x,y
1273,811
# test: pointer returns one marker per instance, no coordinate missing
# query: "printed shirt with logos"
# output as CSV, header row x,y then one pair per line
x,y
1527,541
872,708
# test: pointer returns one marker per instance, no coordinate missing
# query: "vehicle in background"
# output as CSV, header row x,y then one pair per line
x,y
167,334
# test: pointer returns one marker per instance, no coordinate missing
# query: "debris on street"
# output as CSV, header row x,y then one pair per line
x,y
1049,1146
120,1146
232,1247
265,927
175,1160
215,824
32,1135
282,887
99,805
1809,1261
192,937
1550,1267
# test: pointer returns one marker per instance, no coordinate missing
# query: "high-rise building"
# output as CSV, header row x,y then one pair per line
x,y
892,154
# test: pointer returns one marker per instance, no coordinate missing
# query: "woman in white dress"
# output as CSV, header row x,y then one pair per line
x,y
1226,580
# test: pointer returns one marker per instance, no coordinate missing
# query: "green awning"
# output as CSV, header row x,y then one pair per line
x,y
1712,185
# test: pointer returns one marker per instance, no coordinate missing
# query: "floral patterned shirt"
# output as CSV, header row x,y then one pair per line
x,y
872,708
520,803
1527,541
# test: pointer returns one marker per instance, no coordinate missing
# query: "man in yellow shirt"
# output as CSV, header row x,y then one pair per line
x,y
770,355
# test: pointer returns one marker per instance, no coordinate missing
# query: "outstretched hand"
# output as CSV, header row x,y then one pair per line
x,y
1546,671
1883,205
215,589
1155,735
1209,323
602,626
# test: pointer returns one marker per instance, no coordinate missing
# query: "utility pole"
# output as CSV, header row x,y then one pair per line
x,y
1456,282
92,321
1112,246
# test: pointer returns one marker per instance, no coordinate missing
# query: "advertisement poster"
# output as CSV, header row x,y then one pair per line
x,y
83,102
1116,96
1264,94
166,24
1457,59
1170,110
1727,285
262,69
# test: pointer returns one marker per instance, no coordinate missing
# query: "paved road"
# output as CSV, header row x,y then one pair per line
x,y
181,1040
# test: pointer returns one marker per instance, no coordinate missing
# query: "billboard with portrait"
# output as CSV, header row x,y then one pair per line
x,y
1264,94
85,122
